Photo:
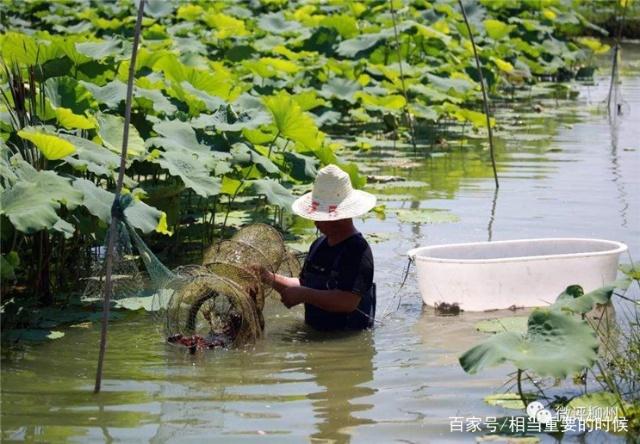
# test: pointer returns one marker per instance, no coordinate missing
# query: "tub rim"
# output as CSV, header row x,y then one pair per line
x,y
617,248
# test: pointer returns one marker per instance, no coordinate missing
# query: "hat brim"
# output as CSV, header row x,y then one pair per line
x,y
356,204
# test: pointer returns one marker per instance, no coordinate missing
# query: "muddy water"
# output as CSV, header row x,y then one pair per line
x,y
565,171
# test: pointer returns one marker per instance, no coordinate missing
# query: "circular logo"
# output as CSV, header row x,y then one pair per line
x,y
544,416
533,409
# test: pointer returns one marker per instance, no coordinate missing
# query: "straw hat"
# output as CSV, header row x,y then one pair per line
x,y
333,198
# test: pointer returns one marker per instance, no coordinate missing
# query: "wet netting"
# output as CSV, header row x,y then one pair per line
x,y
218,303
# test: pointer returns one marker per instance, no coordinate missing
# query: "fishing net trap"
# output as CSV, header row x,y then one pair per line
x,y
217,303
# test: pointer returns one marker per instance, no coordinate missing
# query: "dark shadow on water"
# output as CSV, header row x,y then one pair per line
x,y
341,363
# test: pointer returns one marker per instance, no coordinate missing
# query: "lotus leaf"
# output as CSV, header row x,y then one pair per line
x,y
69,120
276,194
243,154
93,157
517,324
496,29
425,216
510,400
98,201
66,92
101,49
291,121
300,167
556,345
574,300
159,102
191,167
31,203
111,131
276,23
51,146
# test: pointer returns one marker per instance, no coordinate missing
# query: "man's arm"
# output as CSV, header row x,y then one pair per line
x,y
336,301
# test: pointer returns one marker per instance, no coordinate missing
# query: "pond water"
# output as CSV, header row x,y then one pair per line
x,y
564,171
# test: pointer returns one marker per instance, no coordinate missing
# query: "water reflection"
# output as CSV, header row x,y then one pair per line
x,y
341,363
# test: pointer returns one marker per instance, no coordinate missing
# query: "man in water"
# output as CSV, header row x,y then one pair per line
x,y
336,283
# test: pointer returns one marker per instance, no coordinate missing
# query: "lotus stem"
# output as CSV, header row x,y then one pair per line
x,y
485,98
404,89
114,219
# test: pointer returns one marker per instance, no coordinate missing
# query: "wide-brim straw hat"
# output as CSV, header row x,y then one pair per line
x,y
333,198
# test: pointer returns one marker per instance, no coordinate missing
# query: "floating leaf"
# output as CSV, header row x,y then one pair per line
x,y
517,324
510,400
276,23
425,216
52,147
556,345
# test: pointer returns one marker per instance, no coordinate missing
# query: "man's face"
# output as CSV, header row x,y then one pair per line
x,y
325,227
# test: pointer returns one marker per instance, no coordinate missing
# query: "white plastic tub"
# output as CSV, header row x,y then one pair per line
x,y
525,273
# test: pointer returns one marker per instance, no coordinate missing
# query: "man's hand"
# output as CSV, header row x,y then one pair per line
x,y
292,296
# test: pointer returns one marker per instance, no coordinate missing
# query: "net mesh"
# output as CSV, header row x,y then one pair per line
x,y
218,303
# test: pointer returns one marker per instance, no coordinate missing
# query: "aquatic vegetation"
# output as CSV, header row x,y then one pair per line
x,y
232,101
562,340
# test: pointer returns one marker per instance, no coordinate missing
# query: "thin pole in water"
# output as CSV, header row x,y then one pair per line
x,y
108,285
484,94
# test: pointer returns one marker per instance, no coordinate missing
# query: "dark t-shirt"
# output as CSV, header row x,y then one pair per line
x,y
346,266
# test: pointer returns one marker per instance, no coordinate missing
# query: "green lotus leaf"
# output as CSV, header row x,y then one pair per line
x,y
244,155
159,102
51,146
69,120
98,202
308,99
352,47
555,345
111,131
110,94
425,216
91,156
346,25
191,168
450,85
225,119
496,29
8,264
225,25
517,324
210,101
101,49
390,102
66,92
510,400
291,121
340,88
276,194
270,67
31,204
276,23
631,270
299,166
574,300
177,133
158,8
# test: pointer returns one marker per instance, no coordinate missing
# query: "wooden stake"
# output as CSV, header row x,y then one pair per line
x,y
108,284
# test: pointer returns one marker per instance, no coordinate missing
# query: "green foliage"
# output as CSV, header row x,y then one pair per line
x,y
555,345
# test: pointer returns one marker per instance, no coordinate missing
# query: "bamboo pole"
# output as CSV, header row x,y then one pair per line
x,y
115,218
484,94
